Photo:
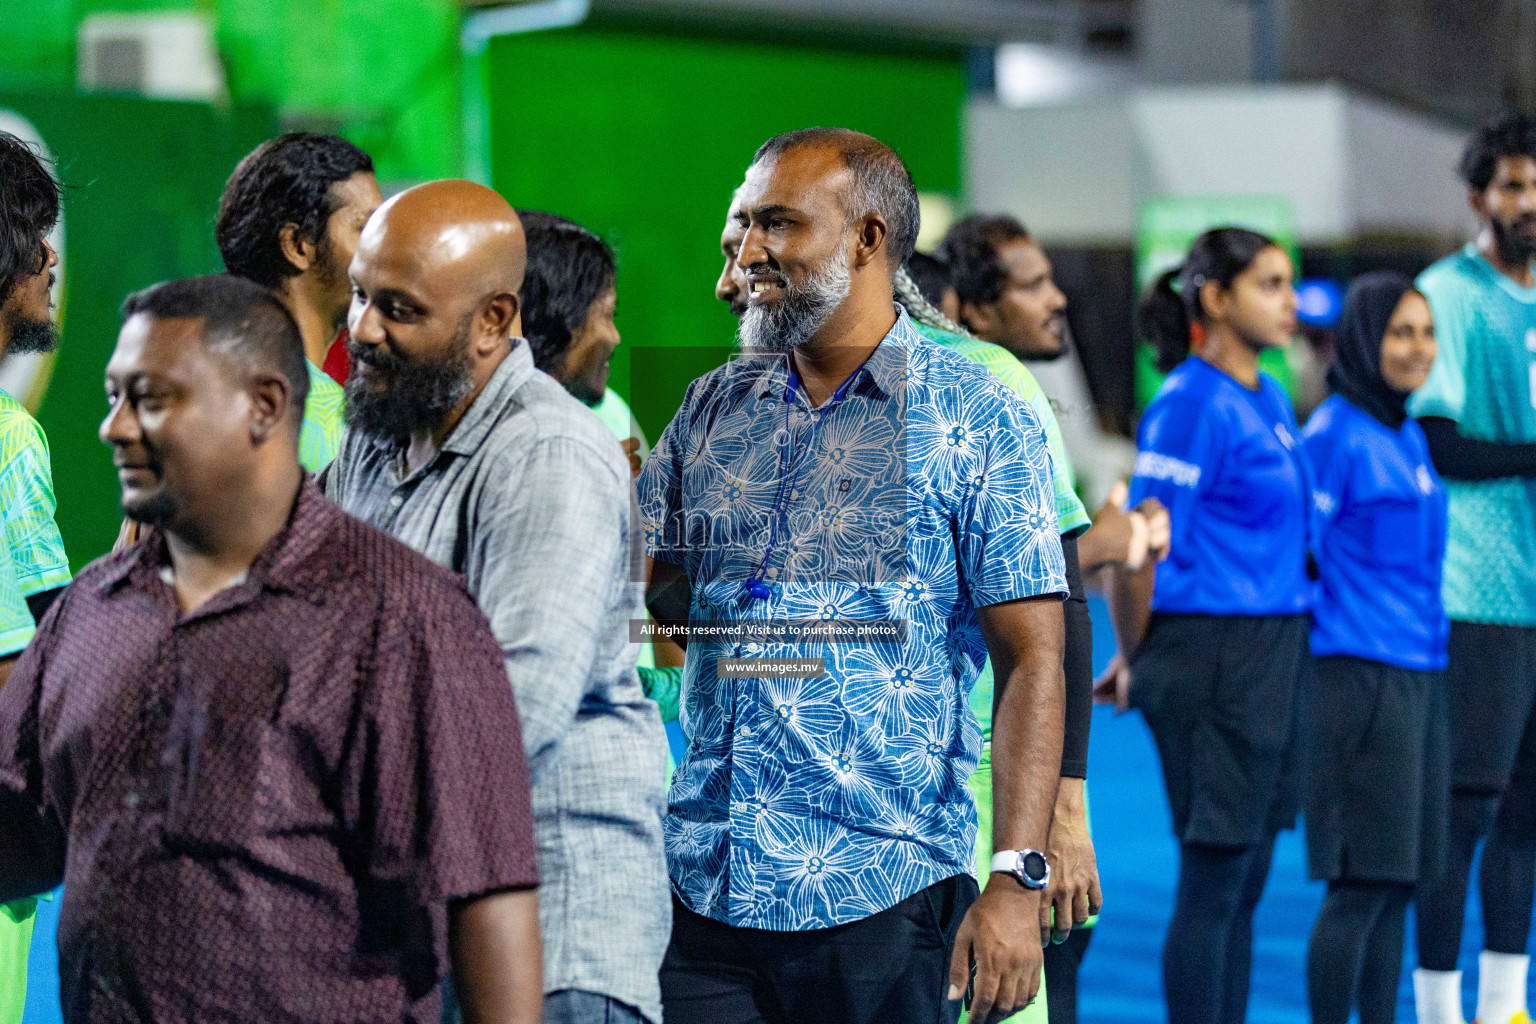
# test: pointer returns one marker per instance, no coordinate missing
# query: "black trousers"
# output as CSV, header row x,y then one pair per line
x,y
890,967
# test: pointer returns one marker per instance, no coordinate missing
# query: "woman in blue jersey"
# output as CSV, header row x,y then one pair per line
x,y
1379,788
1220,669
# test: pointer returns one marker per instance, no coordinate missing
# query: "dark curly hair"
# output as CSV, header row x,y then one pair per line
x,y
1513,134
29,208
569,268
970,249
286,180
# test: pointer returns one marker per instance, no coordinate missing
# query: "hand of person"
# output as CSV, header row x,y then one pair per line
x,y
1000,937
1073,895
1159,528
1114,685
1112,525
631,446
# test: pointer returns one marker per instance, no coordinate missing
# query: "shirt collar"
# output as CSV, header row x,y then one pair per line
x,y
482,416
294,560
882,375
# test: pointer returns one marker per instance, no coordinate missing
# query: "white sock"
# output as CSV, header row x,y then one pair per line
x,y
1437,996
1500,986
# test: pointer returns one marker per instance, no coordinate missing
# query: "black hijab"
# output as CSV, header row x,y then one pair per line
x,y
1356,369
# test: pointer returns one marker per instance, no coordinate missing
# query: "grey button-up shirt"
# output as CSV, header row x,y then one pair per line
x,y
531,500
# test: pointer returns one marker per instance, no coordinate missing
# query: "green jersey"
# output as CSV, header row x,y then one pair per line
x,y
1070,513
32,561
1484,378
16,921
320,436
37,554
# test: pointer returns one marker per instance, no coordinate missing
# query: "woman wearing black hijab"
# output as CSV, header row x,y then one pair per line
x,y
1378,794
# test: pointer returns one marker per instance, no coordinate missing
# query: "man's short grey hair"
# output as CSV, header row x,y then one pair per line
x,y
881,183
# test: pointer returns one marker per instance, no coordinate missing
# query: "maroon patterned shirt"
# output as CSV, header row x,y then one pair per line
x,y
266,805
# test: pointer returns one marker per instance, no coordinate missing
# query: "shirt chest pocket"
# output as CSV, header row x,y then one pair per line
x,y
236,785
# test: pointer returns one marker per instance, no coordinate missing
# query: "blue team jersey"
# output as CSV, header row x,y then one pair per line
x,y
1482,379
1381,518
1228,463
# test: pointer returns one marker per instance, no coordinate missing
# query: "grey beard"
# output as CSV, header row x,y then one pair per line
x,y
804,310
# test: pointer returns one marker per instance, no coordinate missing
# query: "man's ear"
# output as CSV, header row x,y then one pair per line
x,y
1478,203
271,403
981,318
502,318
296,249
870,245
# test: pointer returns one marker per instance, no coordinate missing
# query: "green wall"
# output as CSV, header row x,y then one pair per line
x,y
142,182
643,137
384,73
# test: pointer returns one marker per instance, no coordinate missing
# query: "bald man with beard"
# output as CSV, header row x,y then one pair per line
x,y
457,446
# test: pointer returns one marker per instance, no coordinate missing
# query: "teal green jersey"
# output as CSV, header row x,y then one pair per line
x,y
1484,378
32,560
324,409
1070,513
16,625
36,554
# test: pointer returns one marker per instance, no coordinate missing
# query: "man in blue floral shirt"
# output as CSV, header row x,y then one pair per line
x,y
820,833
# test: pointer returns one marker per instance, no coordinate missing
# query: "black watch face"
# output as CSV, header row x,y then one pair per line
x,y
1033,864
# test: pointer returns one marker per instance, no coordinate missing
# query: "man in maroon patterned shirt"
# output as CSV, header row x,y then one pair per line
x,y
272,753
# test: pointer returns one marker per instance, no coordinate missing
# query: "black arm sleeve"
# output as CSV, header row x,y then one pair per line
x,y
1465,458
1077,662
40,603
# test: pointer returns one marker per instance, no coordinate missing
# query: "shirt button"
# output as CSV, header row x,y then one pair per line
x,y
131,801
746,732
397,501
103,984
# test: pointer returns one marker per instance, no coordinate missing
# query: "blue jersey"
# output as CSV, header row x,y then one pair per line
x,y
1483,379
1227,461
1381,517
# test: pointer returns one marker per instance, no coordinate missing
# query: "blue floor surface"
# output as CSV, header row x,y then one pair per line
x,y
1138,864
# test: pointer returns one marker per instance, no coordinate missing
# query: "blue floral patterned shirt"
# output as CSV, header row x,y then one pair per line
x,y
920,494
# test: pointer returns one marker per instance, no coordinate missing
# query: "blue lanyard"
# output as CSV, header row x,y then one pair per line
x,y
754,587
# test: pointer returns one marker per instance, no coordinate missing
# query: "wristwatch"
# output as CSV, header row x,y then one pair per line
x,y
1028,866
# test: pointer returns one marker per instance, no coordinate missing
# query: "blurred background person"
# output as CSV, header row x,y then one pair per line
x,y
33,566
1220,668
1478,411
1128,538
731,286
1378,793
289,220
569,300
1006,293
1074,890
